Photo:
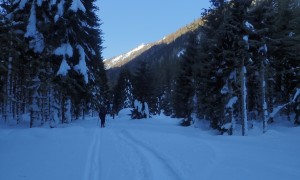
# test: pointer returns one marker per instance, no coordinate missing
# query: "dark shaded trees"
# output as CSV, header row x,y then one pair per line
x,y
184,85
60,58
228,56
242,47
123,97
142,89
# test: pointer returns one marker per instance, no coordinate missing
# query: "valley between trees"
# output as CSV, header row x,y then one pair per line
x,y
176,109
237,65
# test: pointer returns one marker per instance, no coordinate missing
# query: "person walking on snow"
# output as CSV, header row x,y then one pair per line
x,y
102,114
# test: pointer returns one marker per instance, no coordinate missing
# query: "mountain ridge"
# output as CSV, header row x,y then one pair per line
x,y
170,47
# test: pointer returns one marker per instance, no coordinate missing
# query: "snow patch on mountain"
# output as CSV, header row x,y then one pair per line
x,y
112,62
181,53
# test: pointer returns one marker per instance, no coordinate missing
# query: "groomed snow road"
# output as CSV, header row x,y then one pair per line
x,y
116,154
149,149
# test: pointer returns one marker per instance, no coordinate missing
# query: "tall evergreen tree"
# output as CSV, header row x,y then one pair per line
x,y
24,17
210,103
142,87
274,21
229,54
123,97
165,75
235,54
262,15
286,52
184,87
64,53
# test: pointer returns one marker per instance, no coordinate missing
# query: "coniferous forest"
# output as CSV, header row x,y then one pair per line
x,y
51,64
240,65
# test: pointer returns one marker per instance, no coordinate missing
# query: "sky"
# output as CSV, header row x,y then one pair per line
x,y
128,24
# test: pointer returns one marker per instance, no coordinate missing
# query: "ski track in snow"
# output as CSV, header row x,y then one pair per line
x,y
160,165
93,166
144,169
210,168
146,150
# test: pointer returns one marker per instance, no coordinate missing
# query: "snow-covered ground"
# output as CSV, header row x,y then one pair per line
x,y
155,148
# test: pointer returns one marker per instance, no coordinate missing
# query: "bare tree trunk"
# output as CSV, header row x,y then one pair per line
x,y
68,113
8,102
54,109
18,101
83,104
263,97
34,106
244,100
231,110
232,121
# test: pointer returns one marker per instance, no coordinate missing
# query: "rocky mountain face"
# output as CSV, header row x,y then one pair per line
x,y
165,51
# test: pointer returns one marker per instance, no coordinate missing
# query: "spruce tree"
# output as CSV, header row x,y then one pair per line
x,y
142,89
235,54
184,87
287,51
274,21
82,37
262,16
24,17
123,97
229,55
61,46
208,83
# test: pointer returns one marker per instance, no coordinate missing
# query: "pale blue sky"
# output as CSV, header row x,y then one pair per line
x,y
129,23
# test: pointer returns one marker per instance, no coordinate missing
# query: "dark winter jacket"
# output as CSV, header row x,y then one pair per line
x,y
102,114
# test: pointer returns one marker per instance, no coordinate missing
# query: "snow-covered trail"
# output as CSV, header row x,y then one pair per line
x,y
93,163
150,149
116,158
159,149
114,153
165,152
158,163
